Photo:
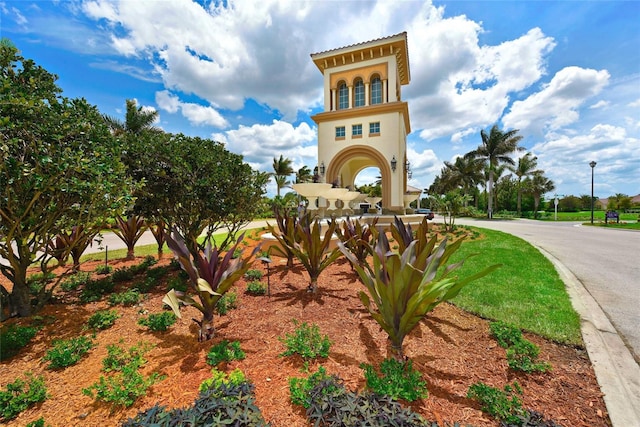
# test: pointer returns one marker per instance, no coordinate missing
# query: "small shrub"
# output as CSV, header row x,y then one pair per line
x,y
37,423
256,288
123,388
13,338
157,273
178,283
227,302
95,289
127,298
158,322
117,357
398,380
14,398
522,356
103,269
333,405
306,341
233,403
75,281
506,335
504,405
122,275
225,351
253,274
300,388
219,378
103,319
146,285
68,352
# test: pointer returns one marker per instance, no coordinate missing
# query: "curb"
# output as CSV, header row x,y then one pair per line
x,y
617,372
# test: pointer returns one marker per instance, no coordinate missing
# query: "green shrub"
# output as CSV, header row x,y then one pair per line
x,y
127,298
306,341
506,335
103,269
117,357
332,405
178,283
123,388
233,403
37,423
102,319
522,356
68,352
157,273
75,281
122,275
227,302
95,289
504,405
253,274
256,288
225,351
219,378
397,380
300,388
13,338
158,322
146,285
15,399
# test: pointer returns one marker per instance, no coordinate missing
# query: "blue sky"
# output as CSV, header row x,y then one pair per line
x,y
566,74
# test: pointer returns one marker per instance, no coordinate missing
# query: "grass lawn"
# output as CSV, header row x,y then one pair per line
x,y
585,216
526,291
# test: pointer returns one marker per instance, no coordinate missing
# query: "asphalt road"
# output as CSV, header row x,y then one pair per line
x,y
605,260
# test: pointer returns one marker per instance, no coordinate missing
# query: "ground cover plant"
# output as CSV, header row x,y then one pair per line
x,y
20,395
451,349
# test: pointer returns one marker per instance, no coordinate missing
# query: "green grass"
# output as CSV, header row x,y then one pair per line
x,y
525,292
585,216
623,225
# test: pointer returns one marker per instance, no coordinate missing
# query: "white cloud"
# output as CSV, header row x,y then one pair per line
x,y
600,104
259,144
556,105
197,115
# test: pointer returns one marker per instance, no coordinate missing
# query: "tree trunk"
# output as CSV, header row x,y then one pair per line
x,y
21,300
396,352
490,199
313,286
130,254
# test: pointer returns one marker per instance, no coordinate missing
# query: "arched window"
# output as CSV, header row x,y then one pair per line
x,y
343,96
359,94
376,91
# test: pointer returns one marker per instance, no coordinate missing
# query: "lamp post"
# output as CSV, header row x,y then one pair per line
x,y
593,165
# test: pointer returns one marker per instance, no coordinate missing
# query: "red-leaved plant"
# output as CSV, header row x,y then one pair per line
x,y
211,272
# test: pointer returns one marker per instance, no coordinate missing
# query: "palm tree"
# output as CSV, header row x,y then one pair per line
x,y
526,167
538,185
136,120
304,175
495,149
281,170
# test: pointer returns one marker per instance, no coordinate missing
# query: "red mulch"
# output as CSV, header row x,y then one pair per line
x,y
450,347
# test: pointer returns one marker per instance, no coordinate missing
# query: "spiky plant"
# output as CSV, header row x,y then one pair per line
x,y
211,275
402,288
310,247
130,231
357,236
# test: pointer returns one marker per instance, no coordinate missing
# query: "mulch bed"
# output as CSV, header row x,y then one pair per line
x,y
452,349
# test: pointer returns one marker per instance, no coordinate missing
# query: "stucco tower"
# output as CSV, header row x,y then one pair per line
x,y
365,123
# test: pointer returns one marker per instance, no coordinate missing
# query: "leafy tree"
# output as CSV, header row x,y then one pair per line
x,y
451,205
61,167
304,175
281,170
496,149
137,120
619,202
526,166
194,184
538,185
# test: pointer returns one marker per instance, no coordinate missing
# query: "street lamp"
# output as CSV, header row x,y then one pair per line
x,y
593,165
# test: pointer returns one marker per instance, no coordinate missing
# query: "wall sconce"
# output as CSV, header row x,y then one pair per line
x,y
407,166
394,163
322,168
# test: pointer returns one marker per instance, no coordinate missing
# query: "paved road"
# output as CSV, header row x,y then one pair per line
x,y
605,261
